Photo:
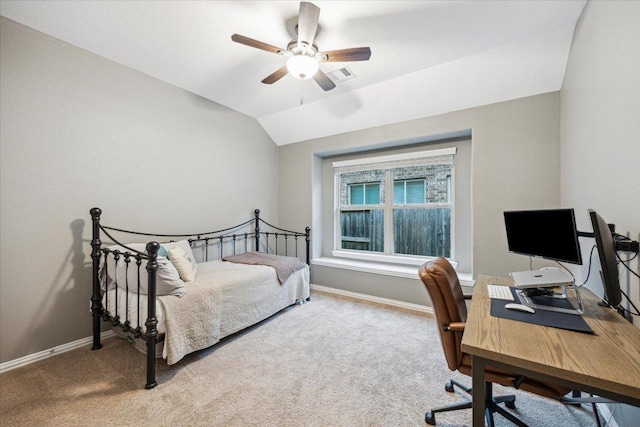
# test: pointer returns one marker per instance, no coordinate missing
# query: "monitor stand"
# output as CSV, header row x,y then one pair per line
x,y
557,301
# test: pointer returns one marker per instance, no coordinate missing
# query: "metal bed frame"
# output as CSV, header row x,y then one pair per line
x,y
225,238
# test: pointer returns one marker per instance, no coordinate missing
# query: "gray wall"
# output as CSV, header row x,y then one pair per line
x,y
600,118
601,124
79,131
515,165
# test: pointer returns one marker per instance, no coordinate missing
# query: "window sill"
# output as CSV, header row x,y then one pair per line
x,y
388,269
384,259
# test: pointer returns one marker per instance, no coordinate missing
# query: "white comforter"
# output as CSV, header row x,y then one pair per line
x,y
224,298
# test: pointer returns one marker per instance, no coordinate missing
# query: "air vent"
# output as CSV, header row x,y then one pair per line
x,y
340,75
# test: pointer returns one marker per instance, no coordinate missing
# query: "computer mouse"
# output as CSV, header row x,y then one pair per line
x,y
519,307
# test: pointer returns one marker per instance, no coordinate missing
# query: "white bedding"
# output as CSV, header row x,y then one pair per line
x,y
229,297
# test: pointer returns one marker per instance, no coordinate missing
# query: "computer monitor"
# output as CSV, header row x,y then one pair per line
x,y
607,254
549,234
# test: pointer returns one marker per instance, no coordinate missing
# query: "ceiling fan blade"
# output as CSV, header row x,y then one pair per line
x,y
275,76
308,22
323,80
255,43
348,55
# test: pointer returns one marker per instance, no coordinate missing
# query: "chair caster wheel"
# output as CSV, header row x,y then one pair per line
x,y
430,418
449,387
511,404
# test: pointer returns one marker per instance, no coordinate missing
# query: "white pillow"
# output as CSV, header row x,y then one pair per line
x,y
180,261
186,247
168,280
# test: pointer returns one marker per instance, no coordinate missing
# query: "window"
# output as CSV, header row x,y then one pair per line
x,y
409,191
364,194
362,220
396,205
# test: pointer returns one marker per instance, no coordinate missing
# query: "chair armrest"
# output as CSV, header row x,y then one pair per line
x,y
455,326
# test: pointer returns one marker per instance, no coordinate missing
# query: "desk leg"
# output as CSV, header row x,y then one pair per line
x,y
477,375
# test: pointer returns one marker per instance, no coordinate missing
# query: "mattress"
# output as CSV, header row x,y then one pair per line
x,y
224,298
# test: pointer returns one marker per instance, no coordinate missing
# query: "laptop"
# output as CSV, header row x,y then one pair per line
x,y
541,278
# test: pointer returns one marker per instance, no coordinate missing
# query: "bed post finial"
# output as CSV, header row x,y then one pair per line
x,y
256,227
152,321
96,297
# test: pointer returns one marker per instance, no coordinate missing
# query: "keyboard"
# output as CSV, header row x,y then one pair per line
x,y
500,292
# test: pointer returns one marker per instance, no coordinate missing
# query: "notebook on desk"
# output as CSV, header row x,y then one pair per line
x,y
540,278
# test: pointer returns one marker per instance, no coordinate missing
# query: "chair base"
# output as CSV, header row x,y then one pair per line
x,y
491,405
578,400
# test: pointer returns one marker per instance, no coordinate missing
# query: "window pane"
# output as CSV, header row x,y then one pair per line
x,y
372,194
398,192
436,177
415,191
352,187
362,230
356,195
424,232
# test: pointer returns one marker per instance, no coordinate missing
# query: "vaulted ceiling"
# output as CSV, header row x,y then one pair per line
x,y
428,57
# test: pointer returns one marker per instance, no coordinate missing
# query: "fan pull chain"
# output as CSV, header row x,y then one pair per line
x,y
301,93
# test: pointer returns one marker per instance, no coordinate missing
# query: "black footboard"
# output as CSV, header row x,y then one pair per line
x,y
210,245
100,312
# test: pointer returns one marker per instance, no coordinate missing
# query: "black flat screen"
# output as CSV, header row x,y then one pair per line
x,y
549,234
608,262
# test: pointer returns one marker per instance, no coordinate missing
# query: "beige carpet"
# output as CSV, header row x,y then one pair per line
x,y
329,362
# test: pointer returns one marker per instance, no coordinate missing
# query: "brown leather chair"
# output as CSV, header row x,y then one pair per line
x,y
450,311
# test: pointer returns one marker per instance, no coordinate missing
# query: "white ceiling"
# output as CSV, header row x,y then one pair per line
x,y
428,57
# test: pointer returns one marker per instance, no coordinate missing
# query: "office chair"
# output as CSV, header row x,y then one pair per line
x,y
450,310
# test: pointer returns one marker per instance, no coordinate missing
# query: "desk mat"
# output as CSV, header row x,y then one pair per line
x,y
552,319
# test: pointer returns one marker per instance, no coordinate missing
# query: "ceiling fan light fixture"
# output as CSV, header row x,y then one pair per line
x,y
302,52
302,66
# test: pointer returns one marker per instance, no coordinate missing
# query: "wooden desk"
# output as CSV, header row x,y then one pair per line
x,y
606,364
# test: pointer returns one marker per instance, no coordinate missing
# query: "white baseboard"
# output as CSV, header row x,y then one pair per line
x,y
45,354
371,298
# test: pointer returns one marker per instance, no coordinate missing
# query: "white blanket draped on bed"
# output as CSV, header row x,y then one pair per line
x,y
192,322
224,298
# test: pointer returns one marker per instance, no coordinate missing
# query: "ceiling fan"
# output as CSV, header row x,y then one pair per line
x,y
303,54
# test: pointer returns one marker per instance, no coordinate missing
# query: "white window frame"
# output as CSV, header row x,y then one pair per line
x,y
439,156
